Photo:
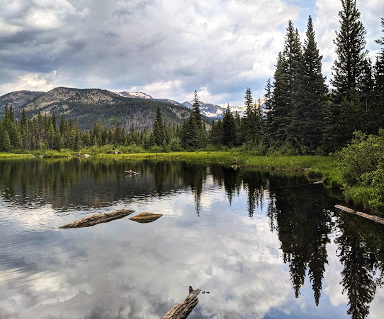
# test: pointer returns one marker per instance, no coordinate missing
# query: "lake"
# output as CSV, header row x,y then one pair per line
x,y
264,244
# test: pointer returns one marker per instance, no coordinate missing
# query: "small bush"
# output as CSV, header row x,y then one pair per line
x,y
358,160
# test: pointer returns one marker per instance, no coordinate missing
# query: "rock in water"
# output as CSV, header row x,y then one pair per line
x,y
146,217
98,218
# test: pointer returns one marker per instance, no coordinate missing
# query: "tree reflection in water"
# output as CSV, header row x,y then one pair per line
x,y
360,248
298,212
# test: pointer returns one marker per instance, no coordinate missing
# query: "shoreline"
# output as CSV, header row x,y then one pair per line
x,y
314,167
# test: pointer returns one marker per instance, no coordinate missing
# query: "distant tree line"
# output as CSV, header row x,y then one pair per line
x,y
301,114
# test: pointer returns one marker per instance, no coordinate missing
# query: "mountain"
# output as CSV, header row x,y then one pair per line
x,y
209,110
17,99
90,105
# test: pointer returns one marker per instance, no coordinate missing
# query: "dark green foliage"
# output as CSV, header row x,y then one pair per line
x,y
375,119
359,256
159,129
362,165
361,157
252,125
193,133
229,129
307,116
350,49
351,80
216,133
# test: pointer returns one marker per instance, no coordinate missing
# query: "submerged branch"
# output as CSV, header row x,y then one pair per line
x,y
98,218
376,219
146,217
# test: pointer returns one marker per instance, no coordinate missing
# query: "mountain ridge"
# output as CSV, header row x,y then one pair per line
x,y
88,106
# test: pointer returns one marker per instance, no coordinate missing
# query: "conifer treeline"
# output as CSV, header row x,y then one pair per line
x,y
301,114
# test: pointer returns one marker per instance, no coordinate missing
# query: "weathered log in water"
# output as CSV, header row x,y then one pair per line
x,y
98,218
184,308
146,217
376,219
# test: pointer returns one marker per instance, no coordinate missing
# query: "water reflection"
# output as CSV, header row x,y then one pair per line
x,y
257,236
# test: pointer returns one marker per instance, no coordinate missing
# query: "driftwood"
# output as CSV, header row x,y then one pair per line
x,y
370,217
184,308
146,217
131,173
98,218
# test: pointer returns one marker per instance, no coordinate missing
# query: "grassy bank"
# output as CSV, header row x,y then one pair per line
x,y
15,156
37,154
313,166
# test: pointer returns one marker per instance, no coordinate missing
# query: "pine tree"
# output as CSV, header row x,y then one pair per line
x,y
287,77
279,113
307,116
229,128
248,119
193,130
158,129
294,67
6,142
376,112
348,74
268,111
248,101
350,49
216,133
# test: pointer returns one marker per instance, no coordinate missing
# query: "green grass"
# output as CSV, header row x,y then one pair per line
x,y
15,156
315,167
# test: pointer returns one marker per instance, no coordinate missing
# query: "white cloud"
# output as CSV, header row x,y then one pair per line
x,y
170,48
33,82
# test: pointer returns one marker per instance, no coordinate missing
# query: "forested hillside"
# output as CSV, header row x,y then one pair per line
x,y
89,106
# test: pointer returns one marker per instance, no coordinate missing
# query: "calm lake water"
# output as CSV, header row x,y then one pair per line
x,y
264,244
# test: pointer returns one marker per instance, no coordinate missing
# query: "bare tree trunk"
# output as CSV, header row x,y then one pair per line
x,y
184,308
376,219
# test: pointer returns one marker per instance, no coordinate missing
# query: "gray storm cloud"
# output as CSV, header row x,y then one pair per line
x,y
168,48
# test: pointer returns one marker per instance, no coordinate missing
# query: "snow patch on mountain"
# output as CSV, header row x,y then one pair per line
x,y
137,95
207,109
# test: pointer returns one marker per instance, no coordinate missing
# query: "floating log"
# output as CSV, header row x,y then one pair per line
x,y
98,218
131,172
376,219
146,217
184,308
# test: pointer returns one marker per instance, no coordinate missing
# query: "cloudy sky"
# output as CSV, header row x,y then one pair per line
x,y
165,48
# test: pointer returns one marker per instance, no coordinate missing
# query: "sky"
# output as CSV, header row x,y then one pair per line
x,y
165,48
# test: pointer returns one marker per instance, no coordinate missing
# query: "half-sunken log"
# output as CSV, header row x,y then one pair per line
x,y
98,218
184,308
376,219
146,217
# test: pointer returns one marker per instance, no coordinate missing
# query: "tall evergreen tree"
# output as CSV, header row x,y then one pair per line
x,y
248,120
279,113
294,67
350,49
376,112
347,111
309,101
158,129
229,128
286,86
269,111
193,131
